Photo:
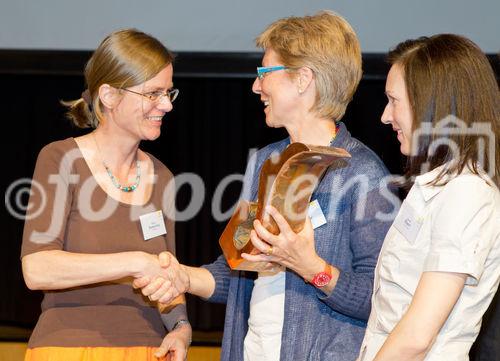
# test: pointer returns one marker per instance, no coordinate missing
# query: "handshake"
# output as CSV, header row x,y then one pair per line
x,y
162,278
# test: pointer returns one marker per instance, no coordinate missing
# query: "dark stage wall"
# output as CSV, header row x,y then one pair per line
x,y
214,124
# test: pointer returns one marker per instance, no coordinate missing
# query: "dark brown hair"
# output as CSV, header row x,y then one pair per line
x,y
123,59
454,97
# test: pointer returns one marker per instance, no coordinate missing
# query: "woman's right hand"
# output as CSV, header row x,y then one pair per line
x,y
162,278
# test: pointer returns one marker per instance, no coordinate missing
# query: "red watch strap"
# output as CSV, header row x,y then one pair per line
x,y
328,269
321,279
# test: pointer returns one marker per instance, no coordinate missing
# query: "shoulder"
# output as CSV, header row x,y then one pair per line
x,y
463,198
160,169
58,148
254,165
61,153
260,156
269,149
364,160
470,186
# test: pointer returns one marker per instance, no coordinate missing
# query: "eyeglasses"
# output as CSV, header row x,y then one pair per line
x,y
263,70
156,96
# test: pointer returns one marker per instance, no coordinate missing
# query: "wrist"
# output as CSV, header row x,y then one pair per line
x,y
322,279
183,326
137,263
313,268
186,271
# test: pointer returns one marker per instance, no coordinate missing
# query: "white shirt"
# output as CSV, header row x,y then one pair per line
x,y
265,324
451,228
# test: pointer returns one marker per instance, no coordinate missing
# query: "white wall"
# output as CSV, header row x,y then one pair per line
x,y
231,25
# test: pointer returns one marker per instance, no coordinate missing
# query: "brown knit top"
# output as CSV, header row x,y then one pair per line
x,y
76,215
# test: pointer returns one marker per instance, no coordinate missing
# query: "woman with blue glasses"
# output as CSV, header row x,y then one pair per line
x,y
315,302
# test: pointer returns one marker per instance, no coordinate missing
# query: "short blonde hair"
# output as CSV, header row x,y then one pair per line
x,y
123,59
325,43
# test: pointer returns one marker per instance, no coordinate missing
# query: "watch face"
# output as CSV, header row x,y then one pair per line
x,y
321,279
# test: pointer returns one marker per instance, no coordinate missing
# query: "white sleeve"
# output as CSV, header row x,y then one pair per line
x,y
463,227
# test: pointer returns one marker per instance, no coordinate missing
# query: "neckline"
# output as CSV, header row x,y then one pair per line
x,y
335,141
98,186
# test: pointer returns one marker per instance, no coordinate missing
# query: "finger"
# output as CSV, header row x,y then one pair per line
x,y
161,352
180,354
164,259
273,267
164,288
270,266
283,225
280,264
256,257
262,246
153,286
165,347
263,233
167,297
141,282
308,223
308,229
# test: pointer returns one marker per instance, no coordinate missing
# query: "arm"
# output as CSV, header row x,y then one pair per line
x,y
46,266
202,282
347,292
292,250
414,334
210,281
195,280
178,338
462,235
353,289
56,269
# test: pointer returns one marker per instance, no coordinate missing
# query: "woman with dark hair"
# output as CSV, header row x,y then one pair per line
x,y
439,266
100,197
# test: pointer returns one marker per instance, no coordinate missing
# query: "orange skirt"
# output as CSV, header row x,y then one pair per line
x,y
140,353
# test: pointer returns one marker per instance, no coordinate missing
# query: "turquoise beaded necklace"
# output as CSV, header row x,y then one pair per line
x,y
115,182
118,185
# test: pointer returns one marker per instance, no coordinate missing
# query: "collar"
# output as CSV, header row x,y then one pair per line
x,y
341,139
428,190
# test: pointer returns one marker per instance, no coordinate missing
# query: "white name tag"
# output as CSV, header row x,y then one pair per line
x,y
316,214
152,225
408,223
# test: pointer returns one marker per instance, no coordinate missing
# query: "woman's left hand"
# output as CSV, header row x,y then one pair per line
x,y
175,344
289,249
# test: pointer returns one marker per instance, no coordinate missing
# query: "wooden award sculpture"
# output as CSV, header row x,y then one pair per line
x,y
286,182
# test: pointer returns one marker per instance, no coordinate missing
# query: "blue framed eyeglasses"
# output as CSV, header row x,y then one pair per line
x,y
263,70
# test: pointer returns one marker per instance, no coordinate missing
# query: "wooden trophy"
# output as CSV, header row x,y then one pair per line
x,y
286,182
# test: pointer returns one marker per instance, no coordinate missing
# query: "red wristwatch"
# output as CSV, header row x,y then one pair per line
x,y
323,278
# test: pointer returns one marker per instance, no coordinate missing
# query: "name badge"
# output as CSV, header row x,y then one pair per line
x,y
408,223
152,224
316,214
